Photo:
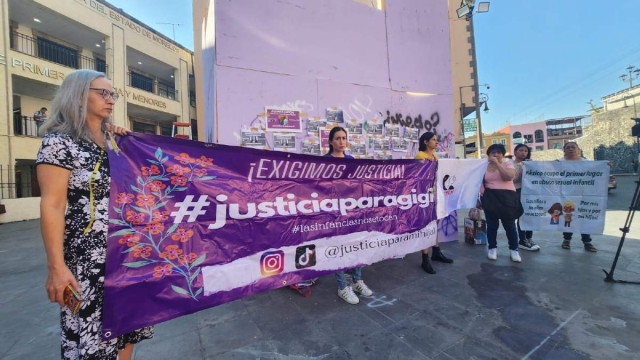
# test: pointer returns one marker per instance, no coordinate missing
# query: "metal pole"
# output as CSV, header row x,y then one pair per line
x,y
464,142
477,89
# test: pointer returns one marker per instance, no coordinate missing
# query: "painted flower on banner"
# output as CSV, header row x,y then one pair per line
x,y
182,235
130,240
123,198
161,271
135,217
145,223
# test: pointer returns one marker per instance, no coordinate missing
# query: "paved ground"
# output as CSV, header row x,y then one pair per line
x,y
554,305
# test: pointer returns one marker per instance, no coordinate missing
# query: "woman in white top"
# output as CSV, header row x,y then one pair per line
x,y
522,154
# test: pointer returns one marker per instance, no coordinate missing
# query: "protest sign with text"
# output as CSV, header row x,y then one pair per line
x,y
195,225
567,196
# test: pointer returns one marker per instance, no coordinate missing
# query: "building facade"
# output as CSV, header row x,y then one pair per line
x,y
532,134
42,41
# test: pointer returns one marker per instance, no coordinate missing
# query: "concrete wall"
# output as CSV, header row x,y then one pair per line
x,y
610,134
314,55
20,209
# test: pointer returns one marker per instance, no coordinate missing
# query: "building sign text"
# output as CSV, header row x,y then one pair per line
x,y
129,24
141,98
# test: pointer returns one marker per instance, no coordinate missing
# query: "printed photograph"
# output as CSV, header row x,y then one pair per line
x,y
335,116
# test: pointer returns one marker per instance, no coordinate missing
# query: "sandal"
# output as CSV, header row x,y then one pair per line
x,y
589,247
567,244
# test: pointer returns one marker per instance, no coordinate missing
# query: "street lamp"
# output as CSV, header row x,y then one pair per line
x,y
467,7
484,98
480,99
633,73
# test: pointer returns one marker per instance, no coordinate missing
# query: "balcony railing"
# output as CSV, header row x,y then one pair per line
x,y
26,126
18,182
574,131
59,54
150,85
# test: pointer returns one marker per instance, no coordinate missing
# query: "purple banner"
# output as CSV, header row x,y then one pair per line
x,y
195,225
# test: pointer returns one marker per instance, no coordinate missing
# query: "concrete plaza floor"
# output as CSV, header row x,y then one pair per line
x,y
553,305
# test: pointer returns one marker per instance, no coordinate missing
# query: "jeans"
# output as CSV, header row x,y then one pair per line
x,y
586,238
356,275
509,226
523,235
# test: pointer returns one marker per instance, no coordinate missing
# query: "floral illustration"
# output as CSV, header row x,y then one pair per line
x,y
148,236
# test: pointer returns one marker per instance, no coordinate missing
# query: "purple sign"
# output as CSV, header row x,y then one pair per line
x,y
195,225
283,120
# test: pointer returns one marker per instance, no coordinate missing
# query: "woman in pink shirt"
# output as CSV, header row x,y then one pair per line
x,y
499,181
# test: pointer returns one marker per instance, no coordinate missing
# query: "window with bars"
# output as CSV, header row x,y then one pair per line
x,y
143,127
57,53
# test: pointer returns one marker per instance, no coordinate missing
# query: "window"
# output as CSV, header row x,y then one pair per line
x,y
517,135
503,142
540,148
57,53
494,141
539,136
528,139
166,90
165,129
194,129
144,128
101,65
141,82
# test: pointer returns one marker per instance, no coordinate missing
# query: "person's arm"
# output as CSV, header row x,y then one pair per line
x,y
506,174
53,182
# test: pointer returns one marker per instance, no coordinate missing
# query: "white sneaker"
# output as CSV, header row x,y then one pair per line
x,y
493,254
362,288
515,256
348,295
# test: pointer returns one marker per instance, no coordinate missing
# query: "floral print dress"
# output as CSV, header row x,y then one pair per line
x,y
84,253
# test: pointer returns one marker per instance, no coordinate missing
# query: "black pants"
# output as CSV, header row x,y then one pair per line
x,y
586,238
523,235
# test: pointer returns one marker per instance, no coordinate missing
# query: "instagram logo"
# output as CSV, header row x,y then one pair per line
x,y
305,256
272,263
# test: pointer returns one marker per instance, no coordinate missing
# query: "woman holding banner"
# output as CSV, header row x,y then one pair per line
x,y
500,202
337,147
427,146
522,154
73,173
572,153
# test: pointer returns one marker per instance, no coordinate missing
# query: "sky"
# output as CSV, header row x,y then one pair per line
x,y
543,59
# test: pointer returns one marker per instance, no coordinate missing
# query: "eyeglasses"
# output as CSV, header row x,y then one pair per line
x,y
106,94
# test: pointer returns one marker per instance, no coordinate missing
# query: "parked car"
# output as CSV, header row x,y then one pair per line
x,y
612,182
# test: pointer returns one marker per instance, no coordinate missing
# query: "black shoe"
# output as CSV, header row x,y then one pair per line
x,y
426,264
437,255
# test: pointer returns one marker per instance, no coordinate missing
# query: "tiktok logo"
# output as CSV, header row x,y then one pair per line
x,y
305,256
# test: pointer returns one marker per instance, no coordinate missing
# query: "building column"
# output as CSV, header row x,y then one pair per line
x,y
117,61
6,97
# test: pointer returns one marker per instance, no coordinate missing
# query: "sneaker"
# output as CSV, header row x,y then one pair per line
x,y
348,295
362,288
515,256
528,245
493,254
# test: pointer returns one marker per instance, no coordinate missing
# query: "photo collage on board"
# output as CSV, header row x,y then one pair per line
x,y
291,130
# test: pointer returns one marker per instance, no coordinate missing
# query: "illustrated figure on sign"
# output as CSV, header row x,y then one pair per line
x,y
284,120
555,211
447,182
568,207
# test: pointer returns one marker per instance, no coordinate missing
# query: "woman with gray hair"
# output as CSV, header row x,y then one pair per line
x,y
73,173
